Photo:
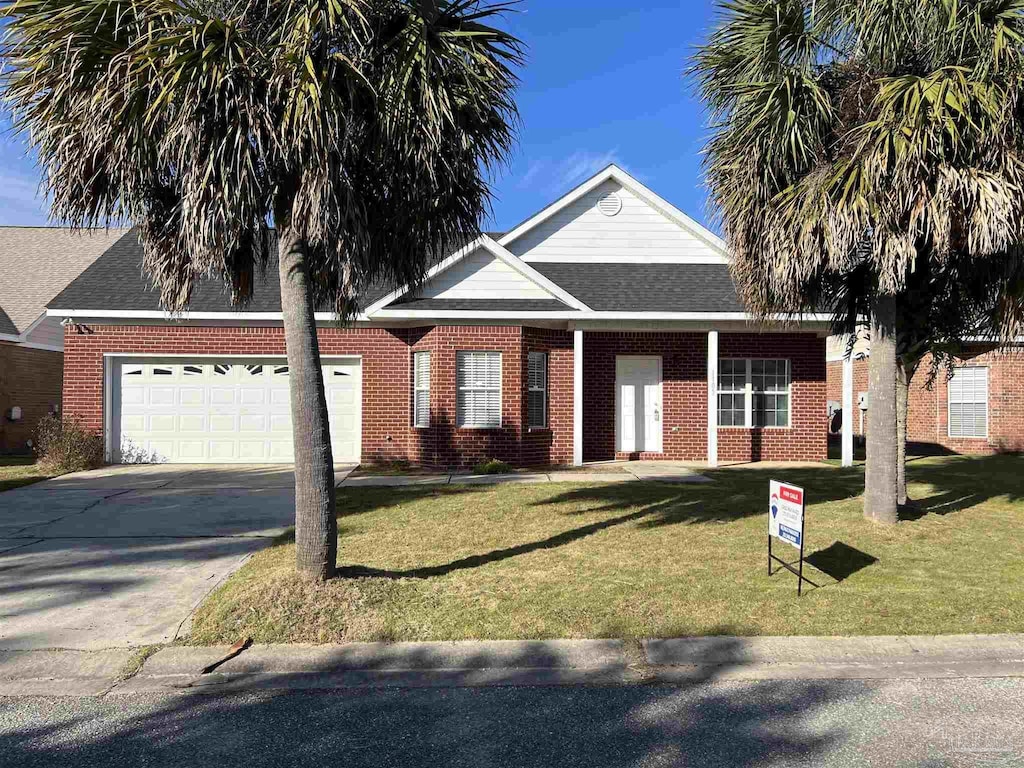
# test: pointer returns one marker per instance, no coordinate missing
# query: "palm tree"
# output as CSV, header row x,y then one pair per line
x,y
363,130
862,135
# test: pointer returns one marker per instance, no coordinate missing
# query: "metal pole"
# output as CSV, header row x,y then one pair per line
x,y
769,554
800,572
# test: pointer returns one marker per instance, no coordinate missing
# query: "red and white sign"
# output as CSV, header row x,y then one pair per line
x,y
786,512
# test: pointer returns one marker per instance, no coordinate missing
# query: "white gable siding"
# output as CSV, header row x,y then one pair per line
x,y
482,276
581,231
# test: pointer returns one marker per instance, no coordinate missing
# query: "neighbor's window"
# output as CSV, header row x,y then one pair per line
x,y
968,402
478,380
421,390
537,396
753,393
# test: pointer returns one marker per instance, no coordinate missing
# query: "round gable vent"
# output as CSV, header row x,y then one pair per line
x,y
609,204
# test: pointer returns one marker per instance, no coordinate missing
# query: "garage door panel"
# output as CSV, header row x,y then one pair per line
x,y
192,411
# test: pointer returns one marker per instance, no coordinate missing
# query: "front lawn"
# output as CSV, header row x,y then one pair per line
x,y
645,559
16,471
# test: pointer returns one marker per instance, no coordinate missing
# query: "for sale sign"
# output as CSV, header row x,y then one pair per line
x,y
786,513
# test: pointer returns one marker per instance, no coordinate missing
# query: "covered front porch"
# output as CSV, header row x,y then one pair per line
x,y
701,395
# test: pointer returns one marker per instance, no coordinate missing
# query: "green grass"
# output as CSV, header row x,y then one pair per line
x,y
645,559
16,471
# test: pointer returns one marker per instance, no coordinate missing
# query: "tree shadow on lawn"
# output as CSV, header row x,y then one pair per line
x,y
739,725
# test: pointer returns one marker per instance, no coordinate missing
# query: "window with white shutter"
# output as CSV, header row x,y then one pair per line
x,y
537,395
478,380
968,402
421,390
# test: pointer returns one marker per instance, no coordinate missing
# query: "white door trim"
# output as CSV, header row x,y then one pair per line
x,y
653,442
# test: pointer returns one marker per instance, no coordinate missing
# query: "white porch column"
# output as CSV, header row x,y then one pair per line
x,y
577,397
848,411
712,398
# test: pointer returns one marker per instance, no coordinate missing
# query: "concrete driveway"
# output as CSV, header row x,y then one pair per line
x,y
123,555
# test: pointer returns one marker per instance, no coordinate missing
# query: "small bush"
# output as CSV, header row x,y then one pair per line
x,y
492,467
64,445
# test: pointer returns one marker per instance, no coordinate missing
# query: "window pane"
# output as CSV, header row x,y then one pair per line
x,y
968,402
421,389
478,377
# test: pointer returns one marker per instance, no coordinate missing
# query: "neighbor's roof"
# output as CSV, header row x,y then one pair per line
x,y
37,263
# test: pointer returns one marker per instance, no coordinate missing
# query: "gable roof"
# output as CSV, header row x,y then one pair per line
x,y
488,244
37,263
619,176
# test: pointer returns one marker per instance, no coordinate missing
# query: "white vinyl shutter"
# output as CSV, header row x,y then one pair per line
x,y
968,403
479,389
421,390
537,390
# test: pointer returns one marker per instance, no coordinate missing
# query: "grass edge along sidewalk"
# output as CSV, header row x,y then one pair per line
x,y
640,560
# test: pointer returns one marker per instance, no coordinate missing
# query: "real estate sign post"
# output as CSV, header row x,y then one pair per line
x,y
786,523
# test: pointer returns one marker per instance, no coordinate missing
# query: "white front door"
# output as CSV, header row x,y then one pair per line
x,y
227,410
638,404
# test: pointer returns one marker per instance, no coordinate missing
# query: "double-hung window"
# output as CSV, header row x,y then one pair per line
x,y
968,402
421,389
537,394
753,392
478,381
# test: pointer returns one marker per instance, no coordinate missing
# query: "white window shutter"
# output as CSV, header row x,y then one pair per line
x,y
537,390
421,389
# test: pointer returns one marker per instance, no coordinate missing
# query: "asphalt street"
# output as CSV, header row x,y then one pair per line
x,y
919,723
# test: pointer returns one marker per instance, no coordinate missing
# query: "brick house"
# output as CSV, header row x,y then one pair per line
x,y
591,331
36,263
976,408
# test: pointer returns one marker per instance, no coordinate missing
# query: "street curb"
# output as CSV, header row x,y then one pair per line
x,y
673,662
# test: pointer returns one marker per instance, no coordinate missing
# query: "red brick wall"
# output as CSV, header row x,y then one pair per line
x,y
387,386
806,439
443,443
30,379
684,395
552,445
928,414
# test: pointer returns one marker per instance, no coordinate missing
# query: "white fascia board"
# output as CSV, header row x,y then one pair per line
x,y
500,253
441,266
614,173
524,269
417,314
150,314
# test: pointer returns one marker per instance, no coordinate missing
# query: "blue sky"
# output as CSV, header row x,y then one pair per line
x,y
603,83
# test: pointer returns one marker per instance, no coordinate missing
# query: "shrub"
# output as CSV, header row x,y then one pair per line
x,y
492,467
64,445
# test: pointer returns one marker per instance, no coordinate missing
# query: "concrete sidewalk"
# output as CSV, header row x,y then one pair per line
x,y
663,472
512,663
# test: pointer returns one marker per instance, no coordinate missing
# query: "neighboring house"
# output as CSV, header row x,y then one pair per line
x,y
978,409
588,332
36,263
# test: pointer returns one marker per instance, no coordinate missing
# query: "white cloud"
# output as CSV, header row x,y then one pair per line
x,y
553,177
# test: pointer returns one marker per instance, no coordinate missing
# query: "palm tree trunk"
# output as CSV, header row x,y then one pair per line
x,y
902,386
316,528
880,498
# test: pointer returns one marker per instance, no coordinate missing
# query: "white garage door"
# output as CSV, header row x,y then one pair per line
x,y
224,411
